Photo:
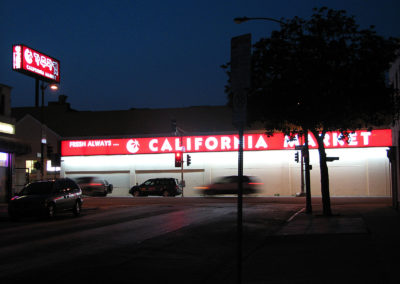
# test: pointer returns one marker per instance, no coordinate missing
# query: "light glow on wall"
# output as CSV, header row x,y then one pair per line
x,y
7,128
276,169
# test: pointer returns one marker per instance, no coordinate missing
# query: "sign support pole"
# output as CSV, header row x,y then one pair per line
x,y
37,93
240,77
240,205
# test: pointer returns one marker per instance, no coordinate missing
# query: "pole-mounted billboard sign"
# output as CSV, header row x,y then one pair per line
x,y
35,64
240,76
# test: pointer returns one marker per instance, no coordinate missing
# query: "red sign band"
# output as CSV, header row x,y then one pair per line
x,y
218,143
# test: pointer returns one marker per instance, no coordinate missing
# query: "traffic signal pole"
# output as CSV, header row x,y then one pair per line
x,y
182,181
180,163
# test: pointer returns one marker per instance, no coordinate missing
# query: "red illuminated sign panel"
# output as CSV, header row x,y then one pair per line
x,y
36,64
218,143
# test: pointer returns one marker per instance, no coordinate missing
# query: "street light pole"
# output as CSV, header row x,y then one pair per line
x,y
42,142
43,139
305,151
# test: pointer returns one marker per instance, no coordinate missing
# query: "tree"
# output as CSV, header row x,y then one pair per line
x,y
321,74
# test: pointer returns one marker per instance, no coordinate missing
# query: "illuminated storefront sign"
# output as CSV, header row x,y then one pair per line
x,y
217,143
33,63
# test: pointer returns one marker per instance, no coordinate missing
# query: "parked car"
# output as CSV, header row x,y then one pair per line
x,y
229,185
157,186
94,186
46,198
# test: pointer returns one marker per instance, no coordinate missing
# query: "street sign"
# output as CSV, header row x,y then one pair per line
x,y
240,76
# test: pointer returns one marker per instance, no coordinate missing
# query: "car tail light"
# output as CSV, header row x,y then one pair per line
x,y
256,183
201,187
95,184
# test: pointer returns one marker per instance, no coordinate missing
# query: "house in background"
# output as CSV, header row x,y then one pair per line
x,y
10,146
30,130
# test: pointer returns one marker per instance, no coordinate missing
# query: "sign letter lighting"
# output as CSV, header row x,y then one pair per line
x,y
35,64
216,143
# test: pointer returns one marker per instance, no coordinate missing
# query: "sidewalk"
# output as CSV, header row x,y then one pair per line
x,y
360,243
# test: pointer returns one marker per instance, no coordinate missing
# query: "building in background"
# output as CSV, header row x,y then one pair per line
x,y
10,146
62,122
29,129
362,169
207,134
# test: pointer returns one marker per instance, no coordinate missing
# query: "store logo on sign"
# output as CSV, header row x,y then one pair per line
x,y
33,63
132,146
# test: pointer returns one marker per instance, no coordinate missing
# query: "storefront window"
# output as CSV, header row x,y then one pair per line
x,y
50,168
30,166
3,159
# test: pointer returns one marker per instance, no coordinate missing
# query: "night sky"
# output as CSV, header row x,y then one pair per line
x,y
122,54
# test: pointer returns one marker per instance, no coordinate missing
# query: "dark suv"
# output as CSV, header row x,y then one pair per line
x,y
46,198
157,186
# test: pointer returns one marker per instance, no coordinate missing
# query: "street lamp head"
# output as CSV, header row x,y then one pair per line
x,y
54,87
239,20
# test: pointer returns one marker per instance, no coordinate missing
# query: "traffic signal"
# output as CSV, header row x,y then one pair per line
x,y
37,165
296,157
56,160
49,151
188,160
178,159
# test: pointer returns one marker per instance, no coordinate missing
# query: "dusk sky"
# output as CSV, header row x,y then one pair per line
x,y
122,54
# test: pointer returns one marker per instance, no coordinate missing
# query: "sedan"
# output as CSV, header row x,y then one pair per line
x,y
94,186
229,185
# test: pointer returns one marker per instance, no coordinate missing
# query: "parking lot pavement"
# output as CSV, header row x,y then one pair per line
x,y
358,244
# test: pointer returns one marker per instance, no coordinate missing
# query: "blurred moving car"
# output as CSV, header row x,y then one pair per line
x,y
46,198
94,186
229,185
157,186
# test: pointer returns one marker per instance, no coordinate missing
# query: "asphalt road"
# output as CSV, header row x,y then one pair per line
x,y
138,240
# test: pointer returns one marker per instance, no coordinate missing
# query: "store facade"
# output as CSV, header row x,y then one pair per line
x,y
363,168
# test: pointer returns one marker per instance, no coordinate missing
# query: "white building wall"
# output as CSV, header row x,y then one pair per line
x,y
359,172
